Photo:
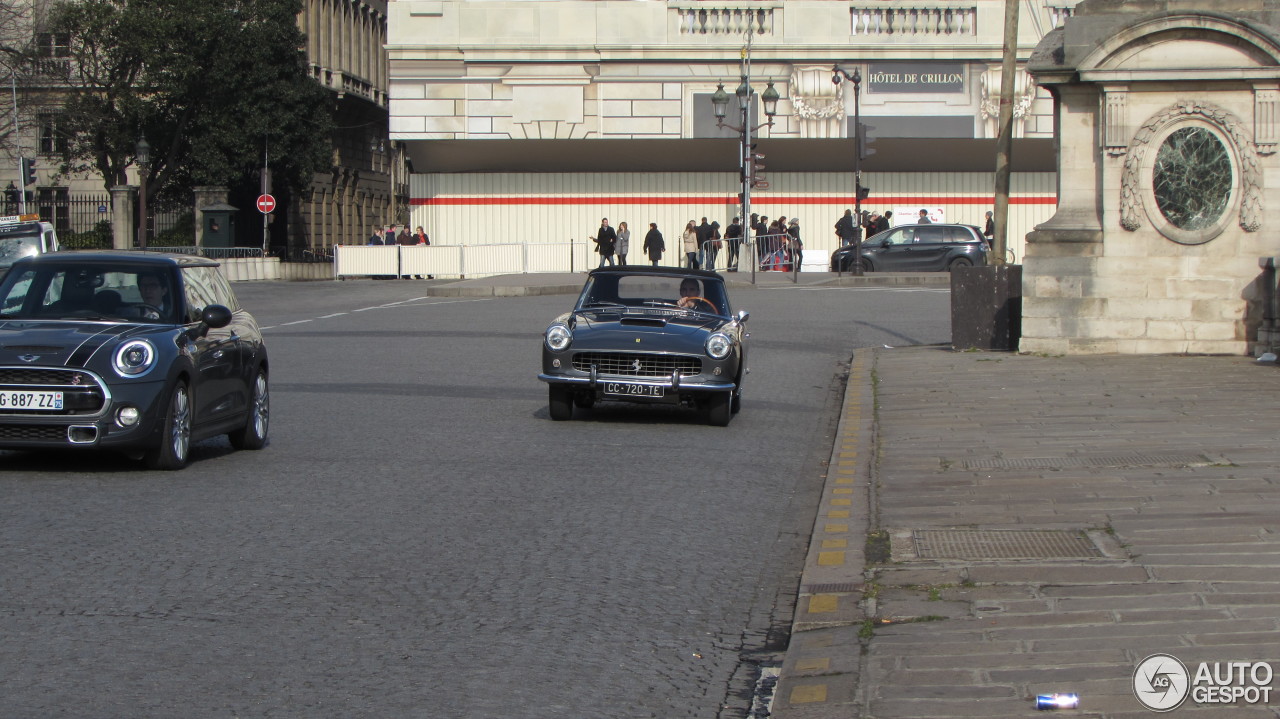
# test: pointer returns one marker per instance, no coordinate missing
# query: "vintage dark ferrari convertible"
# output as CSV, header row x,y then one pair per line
x,y
140,352
647,334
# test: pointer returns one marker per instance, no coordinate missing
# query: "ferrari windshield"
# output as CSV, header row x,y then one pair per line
x,y
79,290
649,291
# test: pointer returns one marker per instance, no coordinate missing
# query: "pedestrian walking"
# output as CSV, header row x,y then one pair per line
x,y
690,239
733,239
712,247
624,243
420,238
923,219
654,245
989,231
704,236
795,248
376,237
846,229
605,239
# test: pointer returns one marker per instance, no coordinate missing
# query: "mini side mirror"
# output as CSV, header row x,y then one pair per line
x,y
216,316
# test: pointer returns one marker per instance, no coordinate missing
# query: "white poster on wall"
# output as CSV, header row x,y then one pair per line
x,y
910,214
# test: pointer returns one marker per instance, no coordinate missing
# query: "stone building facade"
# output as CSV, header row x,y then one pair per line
x,y
1167,127
366,185
546,116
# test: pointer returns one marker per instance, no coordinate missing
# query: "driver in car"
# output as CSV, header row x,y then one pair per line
x,y
690,299
154,292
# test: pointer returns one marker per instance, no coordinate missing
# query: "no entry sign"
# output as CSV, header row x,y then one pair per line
x,y
266,203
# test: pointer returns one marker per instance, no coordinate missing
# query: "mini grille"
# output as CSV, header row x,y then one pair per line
x,y
23,375
33,432
629,364
82,394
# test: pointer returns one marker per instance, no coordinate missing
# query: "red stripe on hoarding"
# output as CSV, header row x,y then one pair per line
x,y
495,200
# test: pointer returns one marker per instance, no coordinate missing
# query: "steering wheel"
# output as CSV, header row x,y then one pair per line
x,y
146,311
693,303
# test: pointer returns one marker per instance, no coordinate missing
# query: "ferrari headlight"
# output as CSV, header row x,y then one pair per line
x,y
719,345
135,358
558,338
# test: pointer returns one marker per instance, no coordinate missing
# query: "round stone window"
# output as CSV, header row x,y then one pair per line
x,y
1192,179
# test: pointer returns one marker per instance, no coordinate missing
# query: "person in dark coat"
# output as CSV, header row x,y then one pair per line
x,y
654,246
733,237
605,240
846,229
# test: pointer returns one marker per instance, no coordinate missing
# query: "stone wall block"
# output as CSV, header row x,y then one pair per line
x,y
1155,309
1063,307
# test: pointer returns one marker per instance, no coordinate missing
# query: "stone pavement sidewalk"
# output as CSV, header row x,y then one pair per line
x,y
997,526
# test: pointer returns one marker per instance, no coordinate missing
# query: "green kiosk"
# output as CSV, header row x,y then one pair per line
x,y
219,228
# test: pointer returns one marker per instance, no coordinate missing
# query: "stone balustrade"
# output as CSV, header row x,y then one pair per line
x,y
913,20
703,18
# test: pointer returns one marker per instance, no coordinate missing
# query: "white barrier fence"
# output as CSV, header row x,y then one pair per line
x,y
463,261
447,261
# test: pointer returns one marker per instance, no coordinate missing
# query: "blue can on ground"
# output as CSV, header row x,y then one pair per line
x,y
1058,701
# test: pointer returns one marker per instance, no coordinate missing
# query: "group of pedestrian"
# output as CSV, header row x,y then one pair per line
x,y
701,244
389,236
777,242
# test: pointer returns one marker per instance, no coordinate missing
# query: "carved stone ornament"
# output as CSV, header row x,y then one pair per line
x,y
1132,193
814,96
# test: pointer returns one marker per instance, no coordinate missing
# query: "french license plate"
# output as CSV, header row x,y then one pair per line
x,y
627,389
35,401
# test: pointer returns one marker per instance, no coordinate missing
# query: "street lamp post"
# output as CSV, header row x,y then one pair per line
x,y
746,158
837,75
142,153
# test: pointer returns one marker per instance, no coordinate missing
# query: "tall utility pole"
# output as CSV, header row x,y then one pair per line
x,y
17,135
746,155
859,146
1004,141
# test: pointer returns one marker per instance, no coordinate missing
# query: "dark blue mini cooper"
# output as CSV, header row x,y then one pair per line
x,y
651,335
133,351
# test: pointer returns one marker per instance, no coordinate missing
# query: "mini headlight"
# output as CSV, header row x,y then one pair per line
x,y
558,338
719,346
135,358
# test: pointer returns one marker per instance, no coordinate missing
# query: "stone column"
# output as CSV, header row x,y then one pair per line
x,y
123,198
204,197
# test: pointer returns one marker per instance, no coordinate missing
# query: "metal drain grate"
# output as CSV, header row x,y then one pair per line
x,y
1115,460
1003,544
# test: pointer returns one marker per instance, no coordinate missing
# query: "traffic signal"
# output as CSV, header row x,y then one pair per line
x,y
863,192
754,167
865,139
28,171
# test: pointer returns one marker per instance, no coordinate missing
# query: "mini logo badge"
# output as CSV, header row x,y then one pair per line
x,y
28,358
1161,682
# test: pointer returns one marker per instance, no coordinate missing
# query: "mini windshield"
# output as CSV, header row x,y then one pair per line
x,y
673,294
80,291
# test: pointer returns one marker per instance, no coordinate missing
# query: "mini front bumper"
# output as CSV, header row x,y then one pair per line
x,y
98,430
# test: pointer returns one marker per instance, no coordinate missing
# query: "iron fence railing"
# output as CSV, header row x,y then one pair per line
x,y
83,222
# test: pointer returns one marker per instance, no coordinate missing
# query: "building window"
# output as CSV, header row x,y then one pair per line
x,y
53,44
1192,179
53,141
54,205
